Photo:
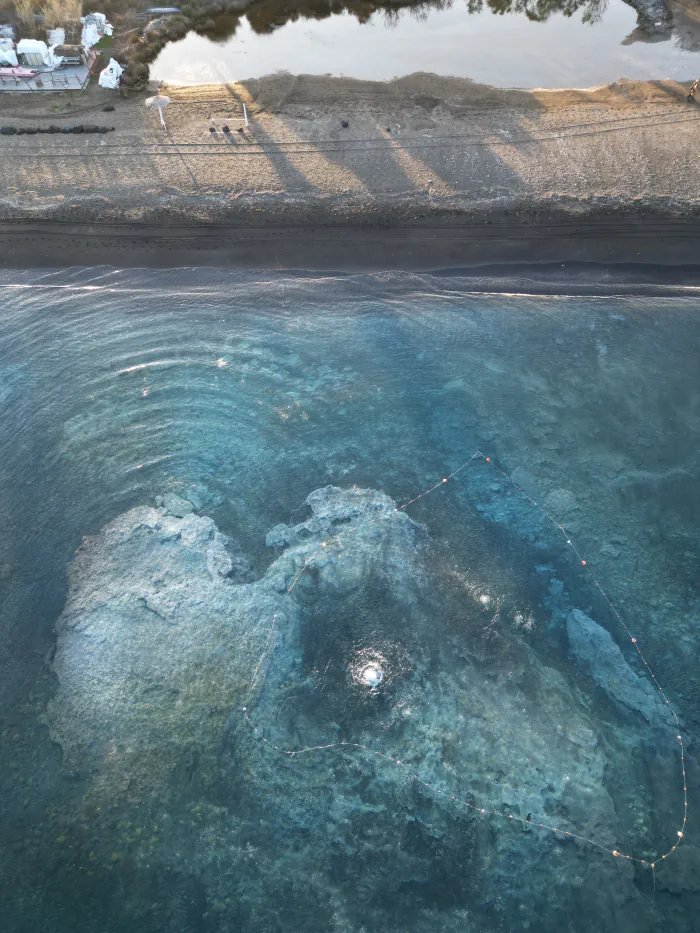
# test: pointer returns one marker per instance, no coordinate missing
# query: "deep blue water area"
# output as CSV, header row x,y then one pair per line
x,y
243,394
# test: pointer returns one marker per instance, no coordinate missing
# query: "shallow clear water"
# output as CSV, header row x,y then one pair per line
x,y
503,50
247,393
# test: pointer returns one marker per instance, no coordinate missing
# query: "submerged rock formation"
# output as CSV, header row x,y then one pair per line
x,y
156,642
159,638
595,649
164,638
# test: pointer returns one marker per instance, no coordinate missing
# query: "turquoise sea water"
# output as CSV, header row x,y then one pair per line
x,y
244,394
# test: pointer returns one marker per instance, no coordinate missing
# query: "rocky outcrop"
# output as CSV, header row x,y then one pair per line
x,y
465,752
160,635
156,643
359,532
594,647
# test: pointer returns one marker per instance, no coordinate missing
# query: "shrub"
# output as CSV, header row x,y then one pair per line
x,y
177,30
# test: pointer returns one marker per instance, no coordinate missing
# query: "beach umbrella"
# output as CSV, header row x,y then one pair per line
x,y
159,103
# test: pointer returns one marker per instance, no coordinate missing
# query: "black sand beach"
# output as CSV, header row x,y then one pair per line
x,y
536,254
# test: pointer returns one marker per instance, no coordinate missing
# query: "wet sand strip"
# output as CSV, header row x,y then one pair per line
x,y
598,254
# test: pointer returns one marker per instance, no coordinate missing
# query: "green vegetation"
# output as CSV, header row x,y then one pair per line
x,y
106,42
214,20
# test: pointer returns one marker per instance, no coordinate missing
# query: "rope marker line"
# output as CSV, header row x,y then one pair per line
x,y
292,753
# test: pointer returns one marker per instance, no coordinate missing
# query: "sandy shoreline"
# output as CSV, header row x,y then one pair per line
x,y
624,251
429,173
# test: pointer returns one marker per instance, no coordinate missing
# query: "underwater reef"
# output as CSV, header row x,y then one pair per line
x,y
184,684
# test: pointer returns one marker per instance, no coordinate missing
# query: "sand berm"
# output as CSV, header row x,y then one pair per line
x,y
333,173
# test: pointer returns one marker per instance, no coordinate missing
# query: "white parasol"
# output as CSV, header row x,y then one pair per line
x,y
159,103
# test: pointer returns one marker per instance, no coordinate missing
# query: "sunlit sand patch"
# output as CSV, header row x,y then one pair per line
x,y
318,170
269,130
623,95
415,169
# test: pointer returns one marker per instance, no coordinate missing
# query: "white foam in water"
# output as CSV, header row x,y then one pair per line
x,y
372,675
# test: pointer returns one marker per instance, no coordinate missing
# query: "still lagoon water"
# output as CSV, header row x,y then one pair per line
x,y
546,45
225,452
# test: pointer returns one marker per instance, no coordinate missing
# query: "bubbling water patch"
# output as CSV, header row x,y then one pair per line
x,y
368,669
371,672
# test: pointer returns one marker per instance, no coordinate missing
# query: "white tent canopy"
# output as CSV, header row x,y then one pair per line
x,y
8,56
109,76
32,51
95,26
56,36
52,59
36,53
